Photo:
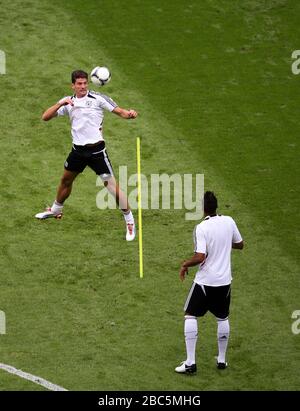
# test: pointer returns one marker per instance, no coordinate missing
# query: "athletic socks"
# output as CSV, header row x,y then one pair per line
x,y
128,217
191,335
57,207
223,336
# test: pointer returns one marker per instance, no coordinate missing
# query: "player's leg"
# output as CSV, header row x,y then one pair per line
x,y
195,306
100,163
223,331
74,165
122,202
219,303
65,186
113,187
191,337
63,192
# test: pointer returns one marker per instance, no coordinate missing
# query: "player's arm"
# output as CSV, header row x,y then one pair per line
x,y
198,258
237,240
51,112
238,246
127,114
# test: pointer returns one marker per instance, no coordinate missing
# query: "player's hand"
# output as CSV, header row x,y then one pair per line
x,y
132,114
66,101
183,272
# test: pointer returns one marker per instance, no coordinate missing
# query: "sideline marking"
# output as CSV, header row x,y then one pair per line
x,y
138,152
31,377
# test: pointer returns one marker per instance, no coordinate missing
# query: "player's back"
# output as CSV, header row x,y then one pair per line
x,y
216,234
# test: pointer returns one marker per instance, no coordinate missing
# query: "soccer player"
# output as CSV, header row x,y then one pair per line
x,y
86,110
214,238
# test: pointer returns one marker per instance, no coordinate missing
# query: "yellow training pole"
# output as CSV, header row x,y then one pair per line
x,y
138,155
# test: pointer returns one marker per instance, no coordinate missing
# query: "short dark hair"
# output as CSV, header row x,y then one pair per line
x,y
78,74
210,202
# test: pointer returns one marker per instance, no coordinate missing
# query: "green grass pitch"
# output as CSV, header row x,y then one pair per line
x,y
212,82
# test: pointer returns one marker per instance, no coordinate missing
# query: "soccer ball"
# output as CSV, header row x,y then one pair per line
x,y
100,76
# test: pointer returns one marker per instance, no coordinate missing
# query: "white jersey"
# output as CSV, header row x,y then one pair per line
x,y
214,237
86,116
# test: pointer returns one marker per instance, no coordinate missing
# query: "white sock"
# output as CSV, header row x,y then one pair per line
x,y
56,207
128,217
191,335
223,336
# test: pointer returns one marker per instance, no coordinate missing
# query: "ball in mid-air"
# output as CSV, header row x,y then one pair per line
x,y
100,76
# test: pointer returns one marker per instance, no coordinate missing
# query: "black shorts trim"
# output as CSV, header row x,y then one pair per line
x,y
203,298
94,157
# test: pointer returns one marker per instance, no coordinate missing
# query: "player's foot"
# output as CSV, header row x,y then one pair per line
x,y
130,232
48,214
183,368
222,365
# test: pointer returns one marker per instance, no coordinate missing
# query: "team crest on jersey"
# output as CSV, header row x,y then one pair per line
x,y
88,103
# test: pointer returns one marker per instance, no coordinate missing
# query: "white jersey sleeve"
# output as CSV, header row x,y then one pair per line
x,y
199,240
236,236
62,111
106,102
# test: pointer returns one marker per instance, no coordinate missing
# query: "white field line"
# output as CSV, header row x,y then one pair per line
x,y
33,378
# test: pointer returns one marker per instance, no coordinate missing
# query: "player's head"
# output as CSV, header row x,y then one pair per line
x,y
79,80
78,74
210,203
